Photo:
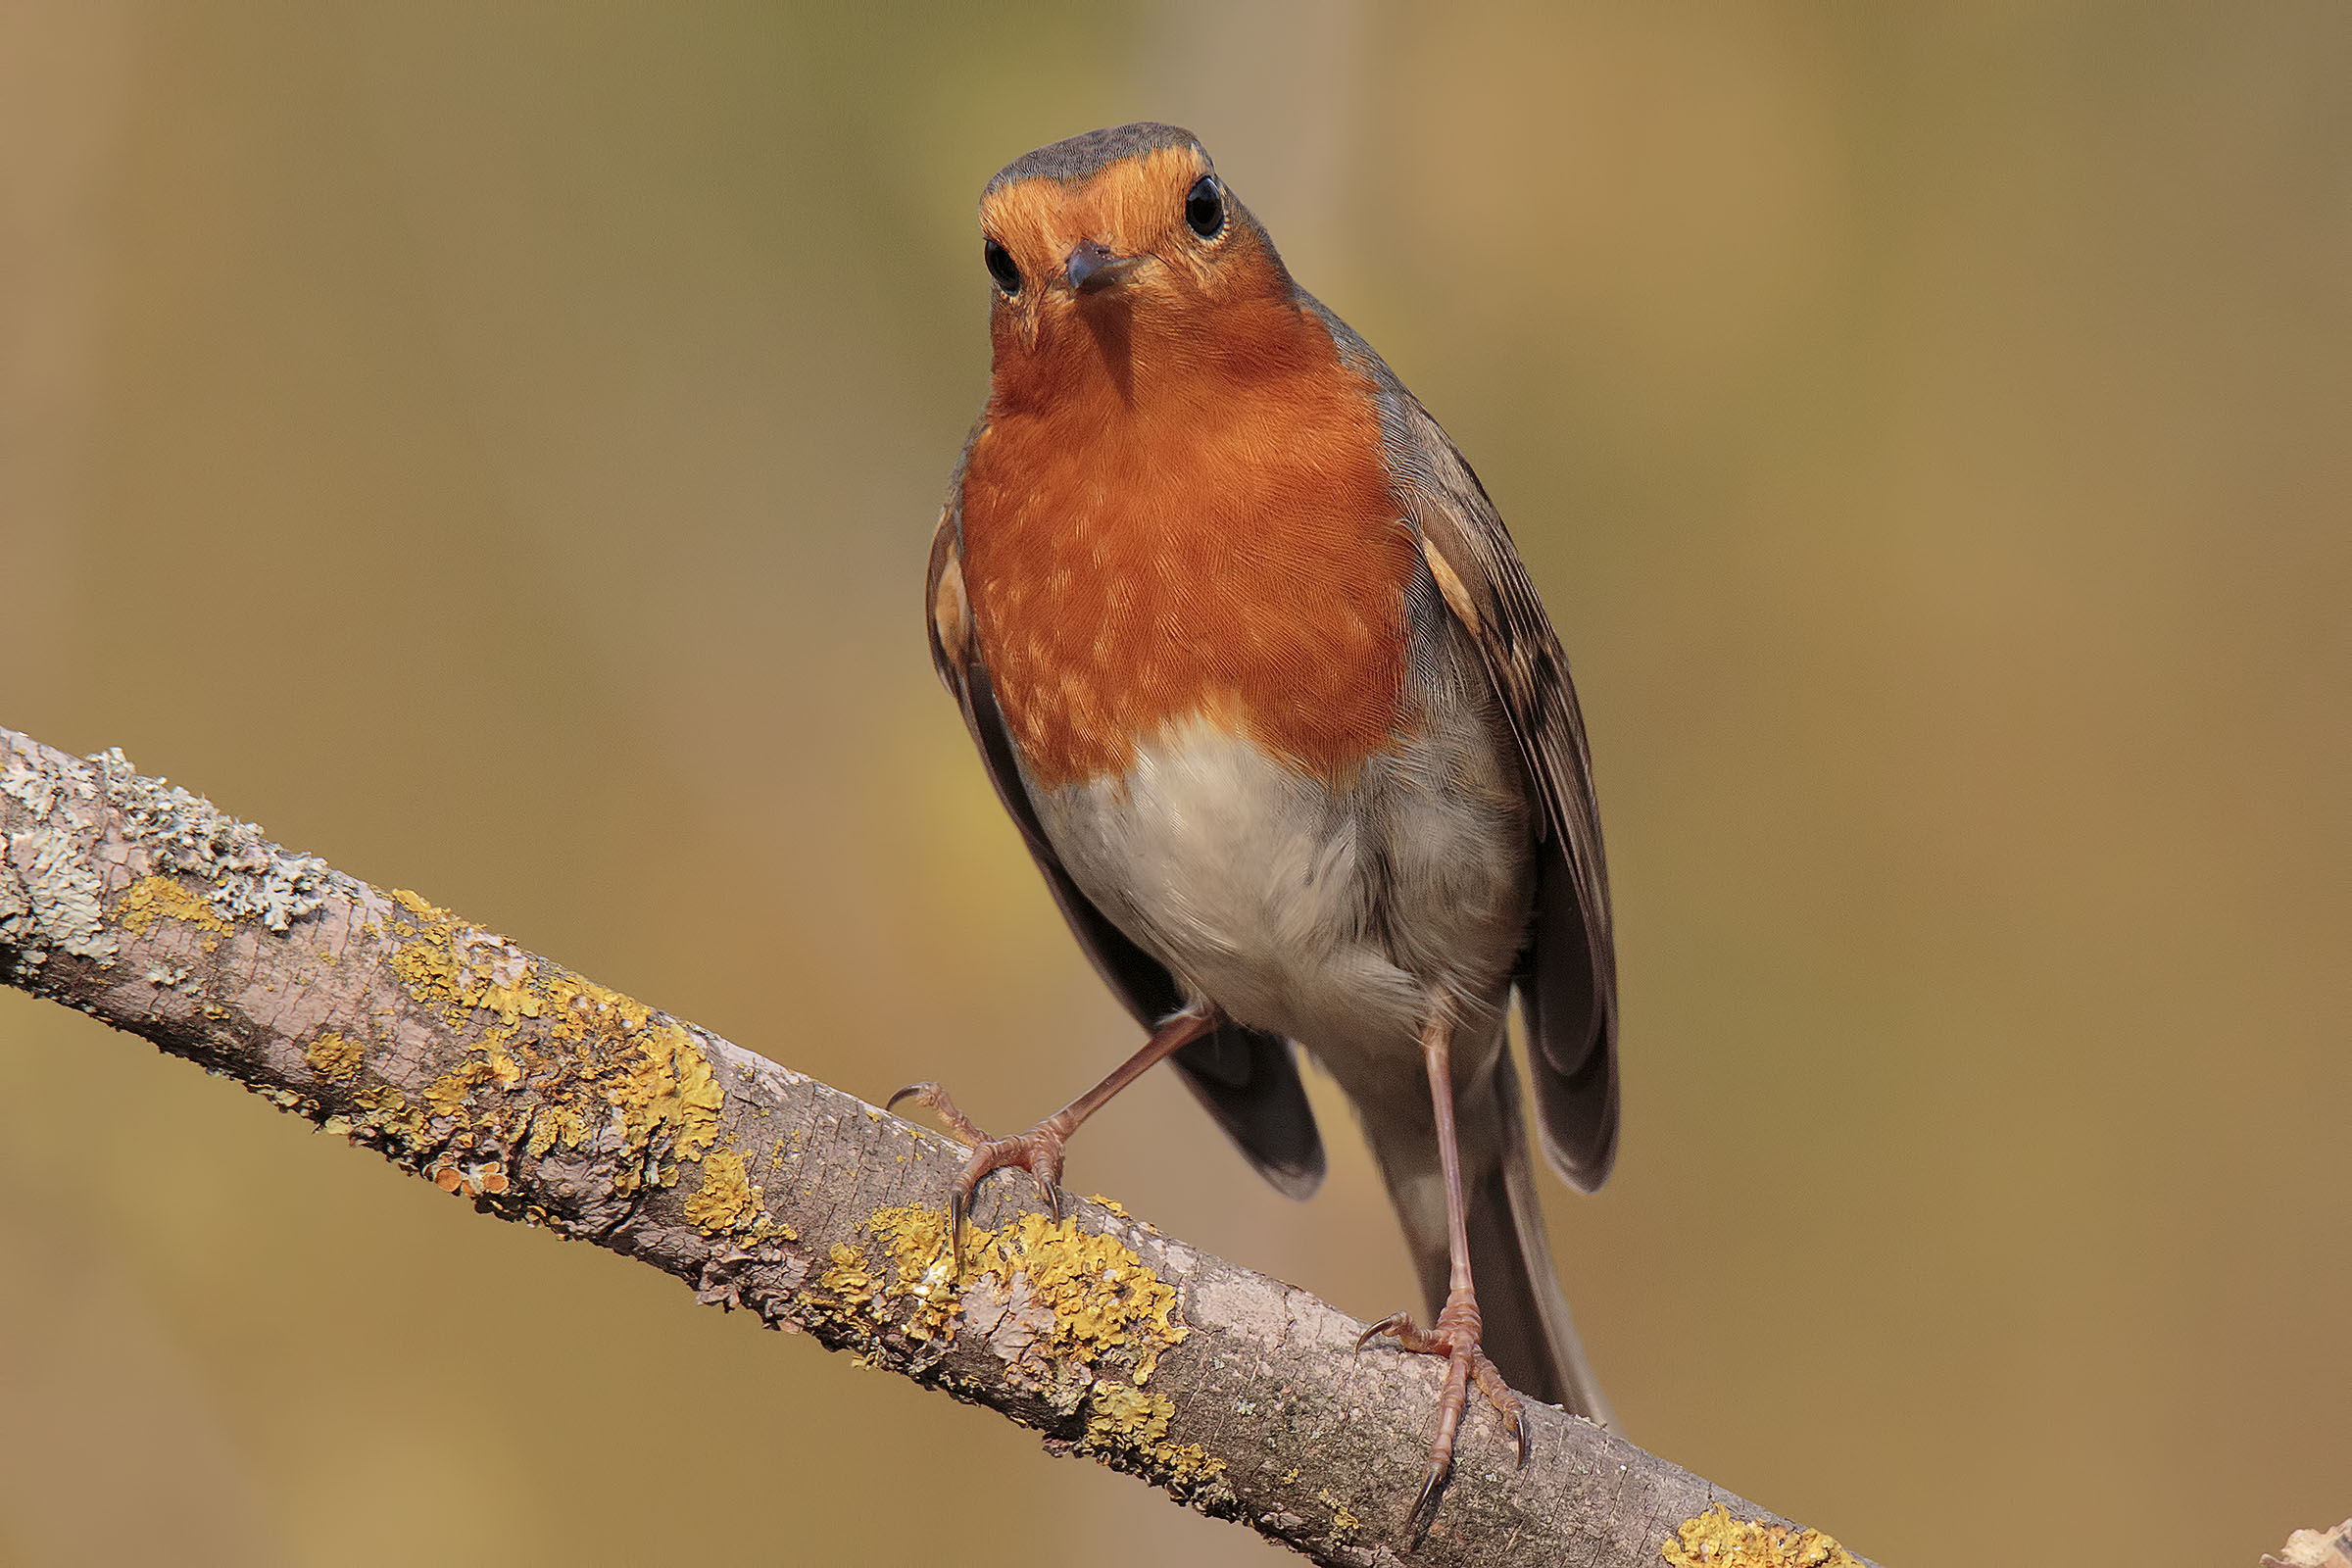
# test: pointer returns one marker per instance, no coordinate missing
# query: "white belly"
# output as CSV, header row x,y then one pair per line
x,y
1335,919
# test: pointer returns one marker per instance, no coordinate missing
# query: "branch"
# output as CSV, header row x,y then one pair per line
x,y
542,1096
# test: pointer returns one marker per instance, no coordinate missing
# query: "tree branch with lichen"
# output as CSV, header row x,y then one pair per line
x,y
540,1096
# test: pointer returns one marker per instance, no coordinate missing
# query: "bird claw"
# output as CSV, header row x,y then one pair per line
x,y
1394,1323
930,1095
1039,1152
1456,1338
1516,1419
1425,1504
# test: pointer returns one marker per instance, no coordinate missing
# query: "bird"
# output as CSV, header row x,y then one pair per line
x,y
1260,678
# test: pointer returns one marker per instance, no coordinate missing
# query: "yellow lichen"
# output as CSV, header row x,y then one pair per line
x,y
667,1087
555,1124
1186,1464
726,1198
1122,1416
1341,1519
917,1238
598,1057
332,1057
428,966
1715,1540
1102,1295
846,1276
446,1095
1120,1413
158,898
382,1111
1109,1310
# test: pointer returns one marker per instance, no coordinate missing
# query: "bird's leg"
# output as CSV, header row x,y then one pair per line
x,y
1039,1150
1456,1334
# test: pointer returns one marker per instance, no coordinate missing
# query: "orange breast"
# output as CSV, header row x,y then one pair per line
x,y
1149,539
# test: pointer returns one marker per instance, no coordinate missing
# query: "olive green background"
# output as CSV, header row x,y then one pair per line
x,y
494,447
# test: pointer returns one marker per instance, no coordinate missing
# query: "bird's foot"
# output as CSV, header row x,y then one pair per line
x,y
1039,1152
1455,1336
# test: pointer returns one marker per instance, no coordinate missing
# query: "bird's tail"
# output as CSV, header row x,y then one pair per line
x,y
1528,1333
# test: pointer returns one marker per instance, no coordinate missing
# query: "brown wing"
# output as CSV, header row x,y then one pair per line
x,y
1248,1080
1567,978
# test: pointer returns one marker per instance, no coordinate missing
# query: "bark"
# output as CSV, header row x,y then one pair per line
x,y
542,1096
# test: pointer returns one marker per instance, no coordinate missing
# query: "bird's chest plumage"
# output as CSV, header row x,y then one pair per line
x,y
1248,726
1236,552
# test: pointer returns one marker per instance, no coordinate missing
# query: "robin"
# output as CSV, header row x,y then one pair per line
x,y
1255,667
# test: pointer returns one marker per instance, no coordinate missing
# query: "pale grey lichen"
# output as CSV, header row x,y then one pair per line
x,y
50,891
37,788
48,894
62,894
250,877
16,906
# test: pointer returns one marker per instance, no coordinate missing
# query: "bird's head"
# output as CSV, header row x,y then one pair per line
x,y
1123,245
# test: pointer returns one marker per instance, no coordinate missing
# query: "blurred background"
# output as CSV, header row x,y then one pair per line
x,y
495,448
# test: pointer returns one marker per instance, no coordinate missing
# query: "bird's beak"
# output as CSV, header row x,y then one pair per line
x,y
1094,266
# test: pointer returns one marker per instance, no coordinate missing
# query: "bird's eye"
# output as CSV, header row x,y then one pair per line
x,y
1001,266
1204,208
